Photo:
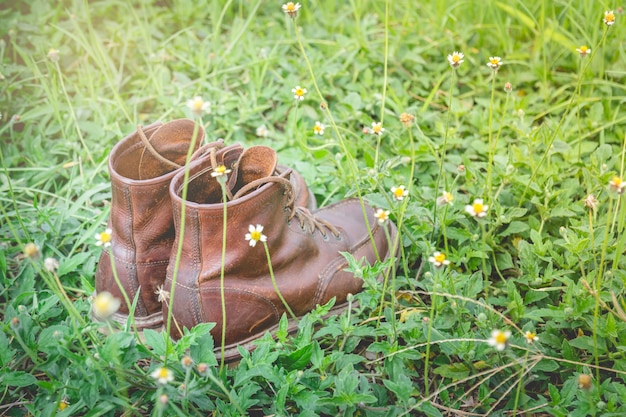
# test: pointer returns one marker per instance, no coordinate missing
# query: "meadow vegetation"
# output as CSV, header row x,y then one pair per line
x,y
492,133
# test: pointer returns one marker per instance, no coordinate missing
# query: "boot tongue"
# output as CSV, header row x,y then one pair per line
x,y
255,163
167,148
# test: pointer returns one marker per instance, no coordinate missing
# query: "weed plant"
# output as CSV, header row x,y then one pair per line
x,y
485,130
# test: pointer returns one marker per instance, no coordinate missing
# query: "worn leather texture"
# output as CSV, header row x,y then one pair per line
x,y
141,214
304,248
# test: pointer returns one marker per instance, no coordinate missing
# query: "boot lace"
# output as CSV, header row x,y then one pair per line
x,y
307,220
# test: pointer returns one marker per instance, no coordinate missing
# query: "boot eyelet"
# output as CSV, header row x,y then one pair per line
x,y
325,237
338,237
303,227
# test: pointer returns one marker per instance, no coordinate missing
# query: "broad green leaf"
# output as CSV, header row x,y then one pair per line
x,y
17,379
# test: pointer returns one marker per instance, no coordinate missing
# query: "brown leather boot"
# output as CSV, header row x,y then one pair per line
x,y
304,247
141,215
141,169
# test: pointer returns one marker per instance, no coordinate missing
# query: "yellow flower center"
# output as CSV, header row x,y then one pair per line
x,y
317,128
616,181
105,237
63,405
102,303
197,105
610,17
478,207
31,250
495,62
220,170
299,92
530,336
456,58
448,196
163,373
377,128
583,49
399,192
290,7
501,338
440,258
256,235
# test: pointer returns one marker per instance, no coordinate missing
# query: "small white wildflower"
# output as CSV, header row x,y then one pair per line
x,y
499,339
255,234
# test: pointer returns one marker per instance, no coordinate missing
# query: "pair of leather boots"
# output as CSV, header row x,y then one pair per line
x,y
147,170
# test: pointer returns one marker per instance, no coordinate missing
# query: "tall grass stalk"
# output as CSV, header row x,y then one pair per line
x,y
222,181
384,93
566,112
181,232
444,146
351,162
275,284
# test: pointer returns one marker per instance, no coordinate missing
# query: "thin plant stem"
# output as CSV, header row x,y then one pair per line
x,y
495,146
73,113
443,228
431,318
14,202
561,121
580,141
181,233
384,95
520,384
131,316
271,270
484,262
598,288
349,157
442,158
222,181
490,148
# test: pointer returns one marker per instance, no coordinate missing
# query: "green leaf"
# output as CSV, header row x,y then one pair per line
x,y
283,329
3,265
586,343
202,350
427,409
546,366
72,264
453,371
401,387
515,227
17,379
155,340
554,394
297,359
6,353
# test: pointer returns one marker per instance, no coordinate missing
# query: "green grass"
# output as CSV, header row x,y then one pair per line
x,y
540,261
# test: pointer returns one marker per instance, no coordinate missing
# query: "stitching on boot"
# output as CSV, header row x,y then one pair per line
x,y
196,301
133,280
